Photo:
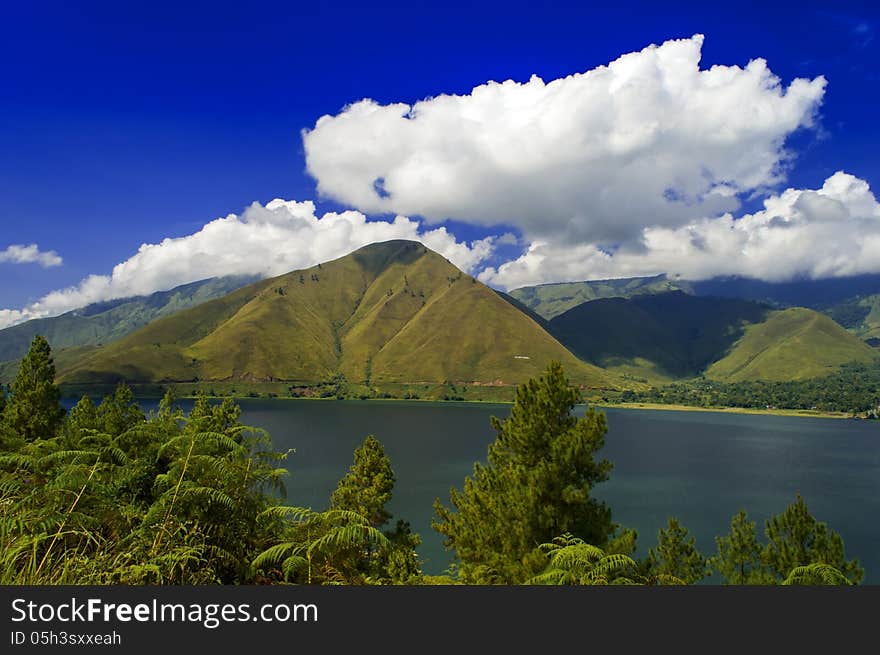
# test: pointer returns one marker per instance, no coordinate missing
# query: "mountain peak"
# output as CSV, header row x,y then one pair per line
x,y
393,312
376,257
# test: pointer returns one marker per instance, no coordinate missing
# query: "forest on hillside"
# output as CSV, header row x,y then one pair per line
x,y
107,494
854,389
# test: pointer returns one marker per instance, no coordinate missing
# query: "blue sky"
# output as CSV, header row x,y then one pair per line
x,y
127,123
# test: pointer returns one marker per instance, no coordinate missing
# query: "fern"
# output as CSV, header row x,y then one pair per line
x,y
816,574
571,561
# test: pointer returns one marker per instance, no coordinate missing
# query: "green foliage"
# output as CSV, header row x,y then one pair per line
x,y
676,556
34,411
320,547
116,498
855,388
535,486
82,419
816,574
119,412
207,417
367,486
365,490
401,564
795,539
798,548
571,561
739,554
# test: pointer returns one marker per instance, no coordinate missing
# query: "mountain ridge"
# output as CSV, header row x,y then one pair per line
x,y
106,321
391,312
675,335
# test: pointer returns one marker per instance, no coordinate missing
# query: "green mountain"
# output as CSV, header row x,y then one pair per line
x,y
672,335
854,302
675,335
392,312
792,344
551,300
105,322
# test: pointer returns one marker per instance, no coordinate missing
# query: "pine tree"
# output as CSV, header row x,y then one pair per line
x,y
8,438
119,412
364,491
80,420
367,486
676,555
535,486
795,538
205,417
739,554
34,411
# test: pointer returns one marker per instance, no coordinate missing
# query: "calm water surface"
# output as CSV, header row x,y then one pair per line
x,y
699,466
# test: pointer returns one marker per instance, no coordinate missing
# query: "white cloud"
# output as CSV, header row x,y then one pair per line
x,y
650,139
20,254
833,231
264,240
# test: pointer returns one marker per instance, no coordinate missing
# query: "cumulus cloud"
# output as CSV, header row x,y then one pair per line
x,y
31,254
264,240
649,139
833,231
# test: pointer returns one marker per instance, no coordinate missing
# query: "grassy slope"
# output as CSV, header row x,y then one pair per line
x,y
391,312
793,344
500,344
551,300
157,352
106,322
659,336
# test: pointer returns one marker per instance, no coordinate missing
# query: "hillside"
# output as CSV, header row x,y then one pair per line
x,y
392,312
670,334
859,315
105,322
551,300
826,295
793,344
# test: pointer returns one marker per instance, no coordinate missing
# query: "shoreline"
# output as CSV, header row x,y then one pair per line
x,y
797,413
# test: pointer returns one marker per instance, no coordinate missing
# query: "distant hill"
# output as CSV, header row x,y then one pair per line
x,y
860,315
389,312
854,301
104,322
551,300
678,334
792,344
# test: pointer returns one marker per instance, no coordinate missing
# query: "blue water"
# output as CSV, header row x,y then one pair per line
x,y
702,467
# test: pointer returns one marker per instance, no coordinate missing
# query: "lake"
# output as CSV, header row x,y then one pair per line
x,y
702,467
